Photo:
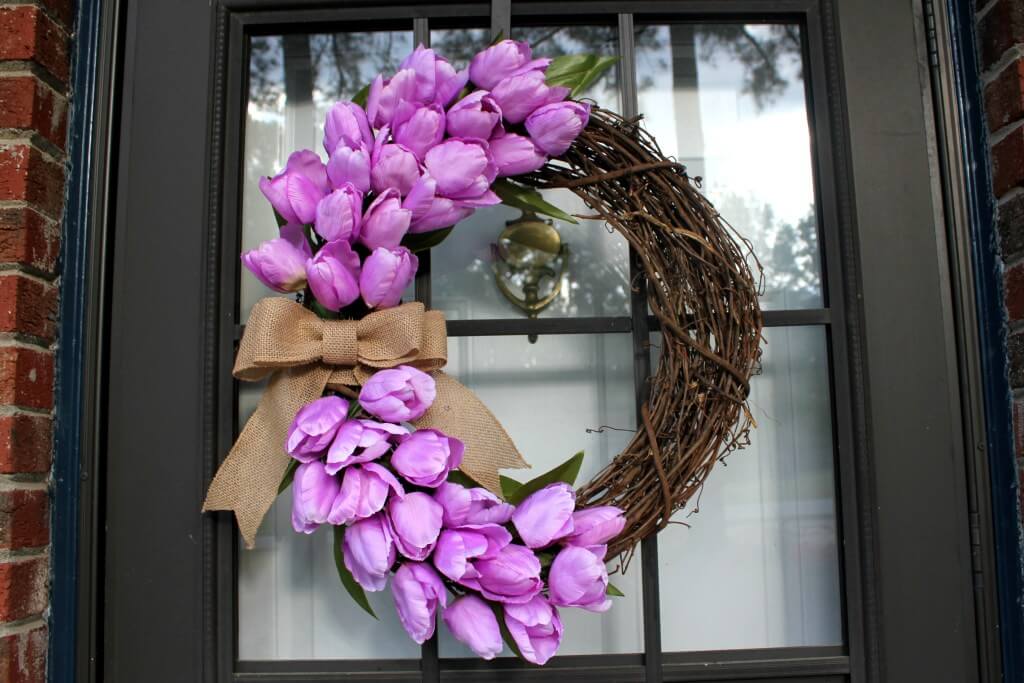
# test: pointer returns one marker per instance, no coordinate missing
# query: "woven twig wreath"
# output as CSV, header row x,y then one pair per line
x,y
702,291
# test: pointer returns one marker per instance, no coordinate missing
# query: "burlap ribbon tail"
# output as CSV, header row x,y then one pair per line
x,y
303,354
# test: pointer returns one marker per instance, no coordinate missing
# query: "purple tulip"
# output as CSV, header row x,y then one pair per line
x,y
349,166
313,492
476,115
497,62
515,154
385,222
399,394
415,522
463,506
371,439
511,576
369,551
437,81
546,515
333,275
386,274
536,628
419,127
280,263
346,125
462,169
457,548
520,95
385,95
594,527
554,126
426,456
295,191
473,623
314,427
578,578
393,166
417,590
431,212
339,214
364,490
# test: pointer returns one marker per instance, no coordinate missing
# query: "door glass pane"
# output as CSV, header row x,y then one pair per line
x,y
594,281
759,565
728,100
554,397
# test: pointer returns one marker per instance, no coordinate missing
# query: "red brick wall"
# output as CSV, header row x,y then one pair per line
x,y
1001,60
34,68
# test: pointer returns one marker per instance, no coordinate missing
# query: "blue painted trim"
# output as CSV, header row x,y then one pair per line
x,y
69,361
992,329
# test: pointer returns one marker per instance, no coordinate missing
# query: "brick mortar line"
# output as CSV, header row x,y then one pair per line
x,y
8,410
36,139
23,555
22,204
22,340
12,74
22,626
1009,196
8,482
20,141
42,8
980,14
995,137
1012,54
36,69
1012,263
18,269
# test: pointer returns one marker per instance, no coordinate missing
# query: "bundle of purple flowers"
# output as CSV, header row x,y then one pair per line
x,y
389,488
421,156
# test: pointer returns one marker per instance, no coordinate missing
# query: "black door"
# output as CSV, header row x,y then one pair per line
x,y
835,548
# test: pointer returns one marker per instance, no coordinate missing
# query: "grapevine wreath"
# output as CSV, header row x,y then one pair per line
x,y
400,459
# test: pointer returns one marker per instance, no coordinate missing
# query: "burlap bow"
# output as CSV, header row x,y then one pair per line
x,y
304,354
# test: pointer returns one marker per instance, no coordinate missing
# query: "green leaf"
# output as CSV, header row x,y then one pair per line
x,y
499,613
567,472
360,97
527,199
421,241
347,580
577,72
612,590
461,478
289,475
281,222
509,486
498,37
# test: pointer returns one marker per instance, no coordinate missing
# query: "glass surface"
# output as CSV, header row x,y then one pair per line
x,y
293,81
728,100
759,564
595,282
553,397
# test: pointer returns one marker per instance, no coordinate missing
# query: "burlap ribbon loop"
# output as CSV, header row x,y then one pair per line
x,y
303,354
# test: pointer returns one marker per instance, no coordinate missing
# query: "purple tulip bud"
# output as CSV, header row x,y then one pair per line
x,y
393,166
369,551
385,95
594,527
473,623
418,127
295,191
401,394
417,590
426,456
516,154
536,628
313,492
314,427
578,578
431,212
346,125
386,274
437,82
371,439
520,95
462,169
339,214
511,576
415,522
364,490
385,222
458,548
546,515
497,62
333,275
349,166
463,506
554,126
447,82
280,263
476,115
